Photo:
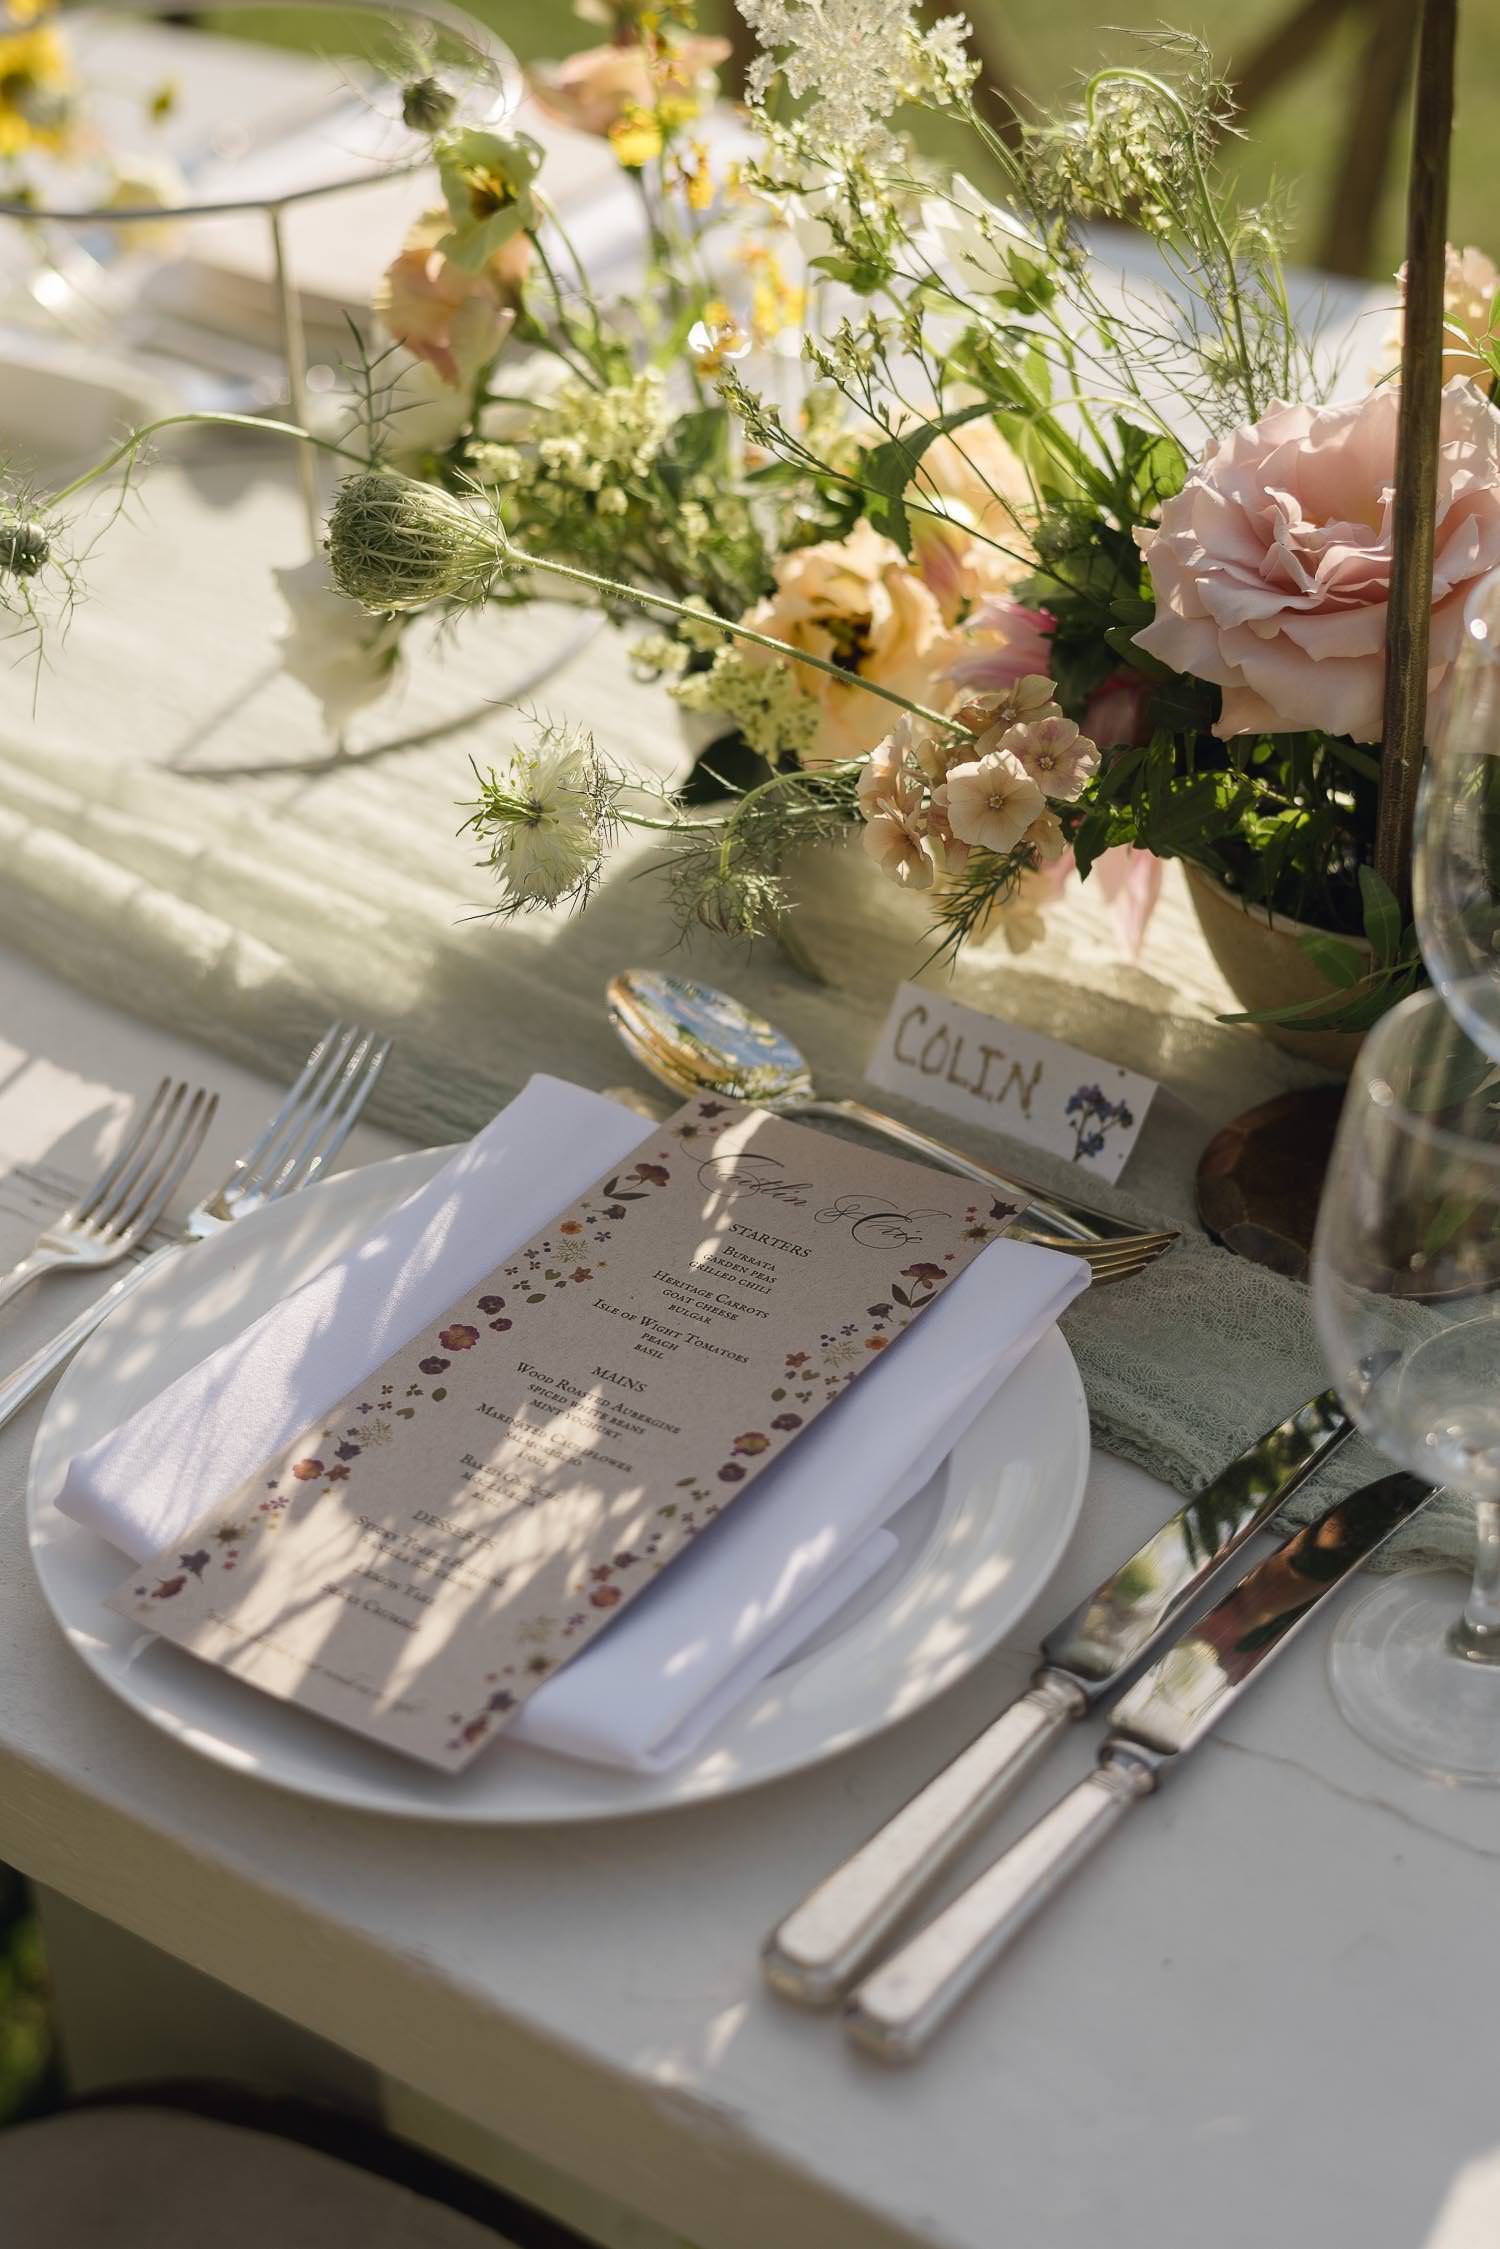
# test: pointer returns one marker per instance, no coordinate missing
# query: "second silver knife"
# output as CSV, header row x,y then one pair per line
x,y
1166,1713
826,1942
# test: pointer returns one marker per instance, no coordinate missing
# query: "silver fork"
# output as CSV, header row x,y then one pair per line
x,y
130,1194
296,1147
1114,1259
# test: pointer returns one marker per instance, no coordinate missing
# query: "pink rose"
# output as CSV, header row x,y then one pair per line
x,y
1116,713
1131,880
1271,567
1004,642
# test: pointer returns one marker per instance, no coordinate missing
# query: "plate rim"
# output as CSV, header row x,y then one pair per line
x,y
650,1792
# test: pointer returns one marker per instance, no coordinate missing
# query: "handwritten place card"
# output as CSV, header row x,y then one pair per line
x,y
415,1564
973,1066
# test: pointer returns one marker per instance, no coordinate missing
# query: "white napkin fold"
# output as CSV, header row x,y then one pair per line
x,y
749,1592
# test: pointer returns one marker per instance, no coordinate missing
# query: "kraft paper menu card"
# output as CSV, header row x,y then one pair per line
x,y
453,1531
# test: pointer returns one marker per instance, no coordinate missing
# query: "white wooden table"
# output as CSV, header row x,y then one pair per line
x,y
1266,2014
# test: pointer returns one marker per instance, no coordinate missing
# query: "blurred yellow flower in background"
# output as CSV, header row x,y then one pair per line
x,y
36,81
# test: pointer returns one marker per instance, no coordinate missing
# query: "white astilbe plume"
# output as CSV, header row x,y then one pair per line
x,y
858,59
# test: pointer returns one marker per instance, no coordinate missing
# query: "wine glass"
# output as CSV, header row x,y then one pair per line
x,y
1406,1291
1456,863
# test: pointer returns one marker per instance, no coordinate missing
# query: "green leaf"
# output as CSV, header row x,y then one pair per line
x,y
1189,808
1335,958
888,469
1121,638
863,275
697,444
1031,288
1154,464
1382,916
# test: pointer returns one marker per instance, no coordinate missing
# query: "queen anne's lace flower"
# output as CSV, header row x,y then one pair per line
x,y
1471,293
858,59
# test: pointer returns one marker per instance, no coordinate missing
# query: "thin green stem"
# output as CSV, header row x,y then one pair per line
x,y
1126,75
567,345
261,426
617,590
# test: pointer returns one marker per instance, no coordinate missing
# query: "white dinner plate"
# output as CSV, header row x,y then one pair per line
x,y
976,1546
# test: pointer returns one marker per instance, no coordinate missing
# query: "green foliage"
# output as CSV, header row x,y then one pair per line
x,y
26,2055
887,470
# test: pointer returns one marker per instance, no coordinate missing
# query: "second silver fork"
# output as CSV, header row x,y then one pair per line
x,y
117,1213
296,1147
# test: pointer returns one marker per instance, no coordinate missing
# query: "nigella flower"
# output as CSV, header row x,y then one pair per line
x,y
426,105
546,821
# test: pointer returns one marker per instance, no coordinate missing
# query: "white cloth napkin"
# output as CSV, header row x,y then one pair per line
x,y
761,1581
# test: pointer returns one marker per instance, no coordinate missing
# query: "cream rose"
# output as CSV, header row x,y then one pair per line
x,y
1272,566
857,603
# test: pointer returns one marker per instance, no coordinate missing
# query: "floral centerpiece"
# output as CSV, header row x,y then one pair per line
x,y
950,540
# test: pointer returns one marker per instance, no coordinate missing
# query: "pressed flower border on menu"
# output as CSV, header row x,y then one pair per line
x,y
395,1490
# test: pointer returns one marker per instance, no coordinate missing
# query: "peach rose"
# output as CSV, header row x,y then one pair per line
x,y
1271,567
857,603
454,320
980,489
594,90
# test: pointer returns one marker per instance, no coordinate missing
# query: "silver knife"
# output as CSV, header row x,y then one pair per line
x,y
1169,1709
824,1943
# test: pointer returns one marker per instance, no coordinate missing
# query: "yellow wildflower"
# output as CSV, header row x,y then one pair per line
x,y
636,137
693,173
775,302
717,337
35,80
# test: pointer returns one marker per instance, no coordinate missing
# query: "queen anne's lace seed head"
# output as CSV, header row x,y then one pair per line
x,y
396,544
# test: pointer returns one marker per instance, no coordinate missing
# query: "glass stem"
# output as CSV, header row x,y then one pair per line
x,y
1477,1632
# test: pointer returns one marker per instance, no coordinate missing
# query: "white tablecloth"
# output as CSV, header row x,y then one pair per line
x,y
1261,2012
